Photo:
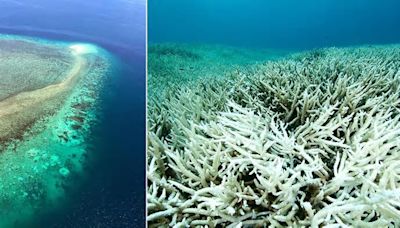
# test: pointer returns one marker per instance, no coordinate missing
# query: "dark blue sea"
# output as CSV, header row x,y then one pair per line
x,y
286,24
112,193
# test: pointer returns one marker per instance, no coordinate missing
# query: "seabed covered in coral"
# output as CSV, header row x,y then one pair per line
x,y
48,103
308,140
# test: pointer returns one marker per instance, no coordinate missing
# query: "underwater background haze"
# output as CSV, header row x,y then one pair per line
x,y
112,192
286,24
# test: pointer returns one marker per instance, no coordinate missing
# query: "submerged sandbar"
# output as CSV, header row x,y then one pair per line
x,y
27,94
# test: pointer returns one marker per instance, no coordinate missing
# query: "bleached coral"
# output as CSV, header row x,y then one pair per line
x,y
172,64
310,140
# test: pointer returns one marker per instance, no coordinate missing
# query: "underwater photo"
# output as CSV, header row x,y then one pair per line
x,y
72,113
273,113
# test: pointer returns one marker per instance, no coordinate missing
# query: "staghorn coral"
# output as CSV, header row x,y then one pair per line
x,y
176,64
310,140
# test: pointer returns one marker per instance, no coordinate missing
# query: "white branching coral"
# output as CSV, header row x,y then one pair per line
x,y
310,140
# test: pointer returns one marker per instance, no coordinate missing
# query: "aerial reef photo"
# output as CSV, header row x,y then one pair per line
x,y
72,94
273,114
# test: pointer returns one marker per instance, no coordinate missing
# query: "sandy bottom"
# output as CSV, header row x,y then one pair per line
x,y
44,123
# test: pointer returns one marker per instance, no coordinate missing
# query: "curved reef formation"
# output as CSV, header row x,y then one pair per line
x,y
306,141
48,102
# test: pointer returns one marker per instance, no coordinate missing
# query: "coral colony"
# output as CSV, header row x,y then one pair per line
x,y
48,101
309,140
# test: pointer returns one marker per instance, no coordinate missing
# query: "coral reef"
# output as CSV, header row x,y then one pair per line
x,y
175,64
307,141
49,100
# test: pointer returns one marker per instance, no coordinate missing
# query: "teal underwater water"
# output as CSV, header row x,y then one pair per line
x,y
287,24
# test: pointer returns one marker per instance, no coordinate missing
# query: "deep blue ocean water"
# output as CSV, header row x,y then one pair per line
x,y
285,24
112,194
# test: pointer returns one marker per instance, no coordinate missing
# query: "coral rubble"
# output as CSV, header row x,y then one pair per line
x,y
309,140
